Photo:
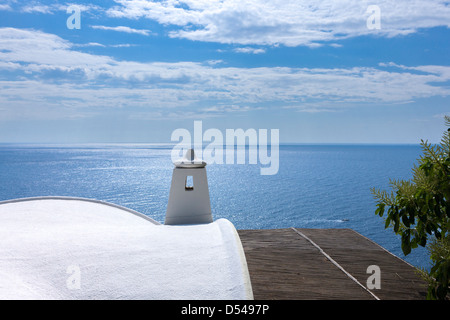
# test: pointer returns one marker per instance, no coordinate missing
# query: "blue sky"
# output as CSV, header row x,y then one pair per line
x,y
137,70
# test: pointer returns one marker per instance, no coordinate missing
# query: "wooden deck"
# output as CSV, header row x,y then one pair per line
x,y
328,264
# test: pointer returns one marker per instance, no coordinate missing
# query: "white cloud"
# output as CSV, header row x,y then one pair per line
x,y
39,9
90,44
287,22
249,50
220,109
52,78
5,7
123,45
39,50
96,44
124,29
214,62
182,114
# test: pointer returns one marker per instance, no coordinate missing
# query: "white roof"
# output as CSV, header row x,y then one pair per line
x,y
61,248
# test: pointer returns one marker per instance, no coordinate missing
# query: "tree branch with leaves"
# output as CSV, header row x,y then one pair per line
x,y
418,210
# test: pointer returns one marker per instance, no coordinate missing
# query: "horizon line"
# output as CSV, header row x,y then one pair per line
x,y
206,144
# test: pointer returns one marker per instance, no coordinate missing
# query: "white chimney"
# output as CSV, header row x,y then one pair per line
x,y
189,195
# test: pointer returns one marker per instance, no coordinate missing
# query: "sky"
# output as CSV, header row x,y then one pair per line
x,y
133,71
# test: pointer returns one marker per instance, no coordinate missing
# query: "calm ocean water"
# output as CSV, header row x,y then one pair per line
x,y
317,186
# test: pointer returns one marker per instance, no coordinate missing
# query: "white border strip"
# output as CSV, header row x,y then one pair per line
x,y
141,215
335,263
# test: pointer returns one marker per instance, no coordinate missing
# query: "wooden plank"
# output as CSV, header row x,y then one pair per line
x,y
284,265
355,253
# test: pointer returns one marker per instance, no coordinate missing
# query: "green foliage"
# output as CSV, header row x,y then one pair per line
x,y
419,211
438,275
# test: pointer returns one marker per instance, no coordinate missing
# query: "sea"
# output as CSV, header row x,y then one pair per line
x,y
317,186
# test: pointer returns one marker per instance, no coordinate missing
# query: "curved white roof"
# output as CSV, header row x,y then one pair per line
x,y
63,248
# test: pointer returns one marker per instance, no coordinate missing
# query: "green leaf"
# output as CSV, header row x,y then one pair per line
x,y
388,222
414,244
405,219
429,228
406,244
380,210
396,220
423,241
